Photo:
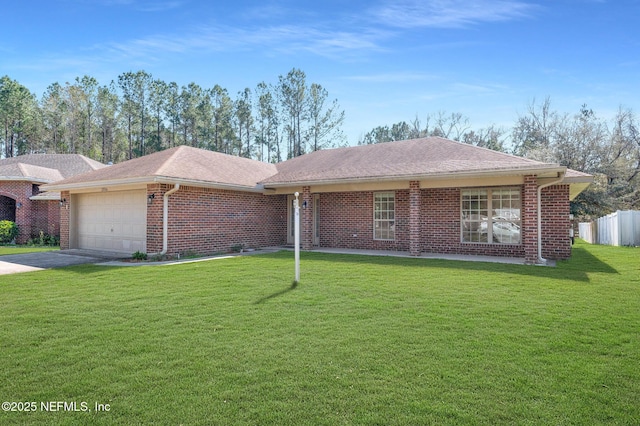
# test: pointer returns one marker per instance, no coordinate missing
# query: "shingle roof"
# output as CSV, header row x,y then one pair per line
x,y
424,157
46,167
182,163
28,172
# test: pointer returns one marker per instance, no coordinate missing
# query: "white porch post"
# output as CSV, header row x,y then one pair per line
x,y
296,233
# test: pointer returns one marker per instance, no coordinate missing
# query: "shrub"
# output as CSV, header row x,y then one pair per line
x,y
139,256
44,239
8,231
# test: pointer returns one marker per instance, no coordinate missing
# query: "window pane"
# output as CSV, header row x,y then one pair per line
x,y
491,215
383,216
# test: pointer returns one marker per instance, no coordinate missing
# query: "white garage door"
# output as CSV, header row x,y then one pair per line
x,y
112,221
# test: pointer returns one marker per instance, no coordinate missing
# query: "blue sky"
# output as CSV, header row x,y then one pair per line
x,y
384,60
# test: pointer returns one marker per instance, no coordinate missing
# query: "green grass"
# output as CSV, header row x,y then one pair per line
x,y
18,249
360,340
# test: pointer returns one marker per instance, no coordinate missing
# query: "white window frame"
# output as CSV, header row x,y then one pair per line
x,y
505,225
384,218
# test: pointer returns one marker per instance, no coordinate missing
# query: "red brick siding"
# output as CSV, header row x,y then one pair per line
x,y
207,220
46,217
415,228
307,218
154,217
556,243
64,220
529,228
32,216
346,221
441,227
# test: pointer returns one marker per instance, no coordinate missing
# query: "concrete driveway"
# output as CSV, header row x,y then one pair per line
x,y
14,263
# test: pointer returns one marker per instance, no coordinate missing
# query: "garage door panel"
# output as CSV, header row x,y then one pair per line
x,y
114,221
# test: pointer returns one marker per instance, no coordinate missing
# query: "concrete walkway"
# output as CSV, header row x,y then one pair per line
x,y
461,257
458,257
28,262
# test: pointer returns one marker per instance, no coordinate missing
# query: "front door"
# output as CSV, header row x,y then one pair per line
x,y
291,218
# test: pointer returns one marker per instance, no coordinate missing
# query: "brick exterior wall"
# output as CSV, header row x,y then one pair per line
x,y
415,228
441,227
529,227
346,221
556,243
306,219
31,216
64,220
205,220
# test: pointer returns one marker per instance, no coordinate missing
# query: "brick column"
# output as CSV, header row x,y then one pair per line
x,y
414,218
154,217
306,219
64,220
529,229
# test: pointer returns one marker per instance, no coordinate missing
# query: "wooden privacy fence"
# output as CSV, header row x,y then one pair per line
x,y
621,228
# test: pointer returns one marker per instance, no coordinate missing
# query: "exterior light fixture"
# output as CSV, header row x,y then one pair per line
x,y
63,202
18,205
150,198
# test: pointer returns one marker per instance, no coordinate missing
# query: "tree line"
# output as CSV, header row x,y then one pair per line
x,y
608,149
136,115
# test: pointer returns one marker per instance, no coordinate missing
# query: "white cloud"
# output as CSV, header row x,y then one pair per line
x,y
448,13
282,39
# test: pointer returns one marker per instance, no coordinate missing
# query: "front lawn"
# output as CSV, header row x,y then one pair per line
x,y
361,340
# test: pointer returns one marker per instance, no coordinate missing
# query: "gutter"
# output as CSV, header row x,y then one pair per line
x,y
26,179
165,220
146,180
542,260
429,176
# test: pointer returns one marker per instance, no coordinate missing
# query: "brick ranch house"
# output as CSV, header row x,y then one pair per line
x,y
429,195
21,200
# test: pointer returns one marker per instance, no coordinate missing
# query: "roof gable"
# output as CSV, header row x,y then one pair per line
x,y
29,172
46,167
181,164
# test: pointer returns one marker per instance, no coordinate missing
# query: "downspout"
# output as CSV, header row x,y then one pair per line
x,y
165,218
542,260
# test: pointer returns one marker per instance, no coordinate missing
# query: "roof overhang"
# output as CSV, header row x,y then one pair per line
x,y
25,179
46,196
577,184
128,183
550,171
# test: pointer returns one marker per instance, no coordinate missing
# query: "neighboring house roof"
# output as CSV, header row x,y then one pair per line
x,y
410,159
45,168
417,159
29,173
183,165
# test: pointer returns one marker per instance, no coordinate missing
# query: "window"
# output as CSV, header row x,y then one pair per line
x,y
491,216
384,213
